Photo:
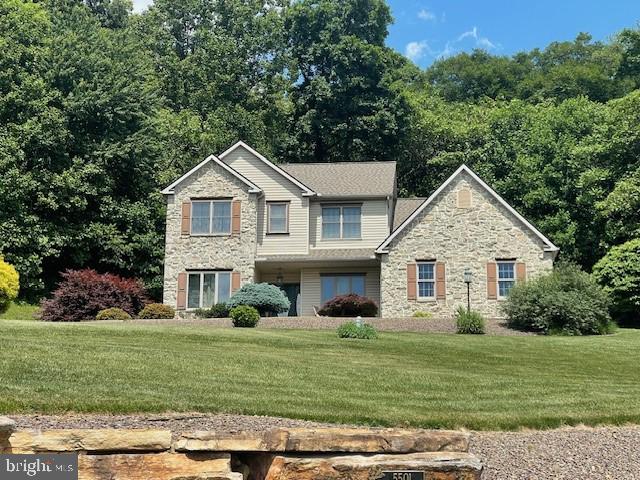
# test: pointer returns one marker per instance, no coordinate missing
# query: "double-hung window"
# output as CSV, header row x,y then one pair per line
x,y
205,289
506,277
211,217
426,280
332,285
341,222
278,214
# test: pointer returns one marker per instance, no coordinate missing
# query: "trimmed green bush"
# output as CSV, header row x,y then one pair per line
x,y
469,321
421,314
264,297
157,311
9,284
219,310
113,314
619,274
353,330
350,305
566,301
244,316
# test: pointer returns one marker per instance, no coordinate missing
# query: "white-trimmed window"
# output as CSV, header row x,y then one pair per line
x,y
205,289
211,217
332,285
341,222
278,217
506,277
426,280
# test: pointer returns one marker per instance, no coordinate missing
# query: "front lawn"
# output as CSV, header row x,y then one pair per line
x,y
405,379
20,311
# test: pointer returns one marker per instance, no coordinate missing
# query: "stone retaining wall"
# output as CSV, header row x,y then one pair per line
x,y
276,454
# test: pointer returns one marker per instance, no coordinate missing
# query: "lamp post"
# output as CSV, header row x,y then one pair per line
x,y
467,279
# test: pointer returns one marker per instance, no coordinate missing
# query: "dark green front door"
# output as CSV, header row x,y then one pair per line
x,y
292,290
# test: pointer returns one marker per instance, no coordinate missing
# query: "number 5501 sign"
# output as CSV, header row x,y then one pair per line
x,y
402,476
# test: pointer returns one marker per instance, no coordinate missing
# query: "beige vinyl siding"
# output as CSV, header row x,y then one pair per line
x,y
310,286
375,225
288,276
275,188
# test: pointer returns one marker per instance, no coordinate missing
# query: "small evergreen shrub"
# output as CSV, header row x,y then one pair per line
x,y
352,330
219,310
244,316
351,305
157,311
566,301
113,314
619,274
9,284
264,297
83,293
421,314
469,322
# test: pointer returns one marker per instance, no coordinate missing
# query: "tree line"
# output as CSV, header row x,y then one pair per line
x,y
100,108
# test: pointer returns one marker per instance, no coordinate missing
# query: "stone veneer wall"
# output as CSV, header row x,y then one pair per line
x,y
277,454
234,252
462,238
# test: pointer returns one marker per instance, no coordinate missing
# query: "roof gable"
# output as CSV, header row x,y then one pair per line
x,y
211,158
306,190
463,168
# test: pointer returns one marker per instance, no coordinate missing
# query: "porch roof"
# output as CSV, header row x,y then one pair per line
x,y
323,255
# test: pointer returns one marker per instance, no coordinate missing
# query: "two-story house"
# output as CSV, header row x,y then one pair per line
x,y
319,230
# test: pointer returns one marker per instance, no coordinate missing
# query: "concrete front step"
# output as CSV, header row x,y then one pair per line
x,y
424,466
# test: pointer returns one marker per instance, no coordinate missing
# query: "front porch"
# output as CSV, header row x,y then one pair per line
x,y
310,283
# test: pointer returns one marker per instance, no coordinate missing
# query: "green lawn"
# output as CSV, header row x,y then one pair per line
x,y
401,379
19,311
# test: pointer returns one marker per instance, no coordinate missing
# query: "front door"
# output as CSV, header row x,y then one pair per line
x,y
292,290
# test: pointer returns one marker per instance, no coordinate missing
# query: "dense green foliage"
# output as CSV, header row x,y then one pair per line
x,y
469,321
157,311
113,313
619,272
100,108
219,310
244,316
401,379
9,285
566,301
353,330
350,305
264,297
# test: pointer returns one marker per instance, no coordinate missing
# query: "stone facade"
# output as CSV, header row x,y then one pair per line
x,y
233,252
481,231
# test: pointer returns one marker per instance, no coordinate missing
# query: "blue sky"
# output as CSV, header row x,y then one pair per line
x,y
425,30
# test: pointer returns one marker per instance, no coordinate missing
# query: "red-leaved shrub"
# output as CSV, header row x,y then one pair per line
x,y
83,293
350,305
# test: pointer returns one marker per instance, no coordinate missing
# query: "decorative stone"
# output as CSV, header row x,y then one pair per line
x,y
165,466
99,440
7,426
434,466
347,440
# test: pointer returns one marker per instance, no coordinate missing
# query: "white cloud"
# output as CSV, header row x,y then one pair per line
x,y
416,50
141,5
448,51
480,42
473,33
485,43
425,14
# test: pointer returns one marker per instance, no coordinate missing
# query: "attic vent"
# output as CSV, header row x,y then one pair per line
x,y
464,198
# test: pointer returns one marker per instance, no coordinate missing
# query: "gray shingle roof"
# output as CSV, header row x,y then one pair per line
x,y
323,254
347,179
404,208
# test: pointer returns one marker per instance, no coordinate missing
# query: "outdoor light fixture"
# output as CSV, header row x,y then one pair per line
x,y
467,279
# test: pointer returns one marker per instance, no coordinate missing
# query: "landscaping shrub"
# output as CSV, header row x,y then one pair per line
x,y
244,316
219,310
113,314
469,321
351,305
566,301
619,274
9,285
264,297
83,293
157,311
421,314
353,330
